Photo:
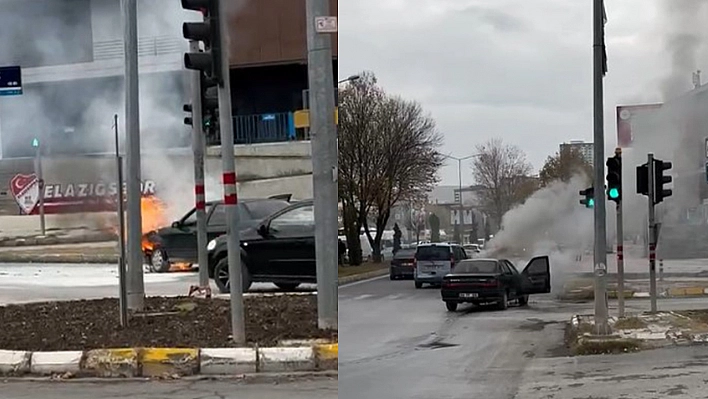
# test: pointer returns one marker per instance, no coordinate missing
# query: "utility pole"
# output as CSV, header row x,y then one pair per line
x,y
198,142
651,179
324,157
122,293
600,253
615,183
135,283
40,178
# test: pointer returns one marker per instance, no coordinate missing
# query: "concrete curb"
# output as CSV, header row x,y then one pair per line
x,y
129,363
9,257
52,239
363,276
673,292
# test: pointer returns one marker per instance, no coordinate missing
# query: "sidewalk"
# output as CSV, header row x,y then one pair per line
x,y
639,266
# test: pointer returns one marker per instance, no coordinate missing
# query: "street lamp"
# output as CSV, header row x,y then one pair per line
x,y
459,176
349,79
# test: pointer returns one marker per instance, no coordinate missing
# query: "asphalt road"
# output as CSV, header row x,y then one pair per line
x,y
399,342
309,389
48,282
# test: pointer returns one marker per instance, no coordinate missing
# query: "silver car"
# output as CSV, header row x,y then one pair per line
x,y
433,261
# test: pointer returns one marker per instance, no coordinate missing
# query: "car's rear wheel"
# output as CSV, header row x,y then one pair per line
x,y
159,263
221,276
418,285
503,304
451,306
287,286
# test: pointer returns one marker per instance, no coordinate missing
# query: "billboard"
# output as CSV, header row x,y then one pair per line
x,y
627,118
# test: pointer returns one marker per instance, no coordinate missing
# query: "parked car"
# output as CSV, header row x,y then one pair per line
x,y
280,249
402,264
497,281
178,242
434,261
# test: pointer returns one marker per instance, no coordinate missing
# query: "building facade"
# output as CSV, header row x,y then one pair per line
x,y
71,55
586,149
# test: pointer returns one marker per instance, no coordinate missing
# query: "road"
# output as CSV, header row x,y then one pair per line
x,y
312,389
401,343
48,282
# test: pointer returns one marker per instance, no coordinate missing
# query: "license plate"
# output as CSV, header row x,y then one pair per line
x,y
469,295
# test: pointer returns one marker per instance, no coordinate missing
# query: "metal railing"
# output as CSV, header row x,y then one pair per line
x,y
264,128
147,46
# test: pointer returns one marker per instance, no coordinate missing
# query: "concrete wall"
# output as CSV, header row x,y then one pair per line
x,y
264,170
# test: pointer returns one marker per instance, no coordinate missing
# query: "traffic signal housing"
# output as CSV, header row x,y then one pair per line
x,y
660,180
208,31
188,119
614,178
643,179
589,197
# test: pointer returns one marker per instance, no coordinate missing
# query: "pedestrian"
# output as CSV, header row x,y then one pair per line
x,y
342,251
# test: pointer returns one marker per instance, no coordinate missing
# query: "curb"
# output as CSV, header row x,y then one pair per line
x,y
363,276
52,239
673,292
9,257
170,362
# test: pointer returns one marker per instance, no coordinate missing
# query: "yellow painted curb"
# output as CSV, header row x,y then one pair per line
x,y
686,291
169,361
112,363
327,351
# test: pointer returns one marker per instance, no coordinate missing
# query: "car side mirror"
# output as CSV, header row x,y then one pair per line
x,y
176,225
263,230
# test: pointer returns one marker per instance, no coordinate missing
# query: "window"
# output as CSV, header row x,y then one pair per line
x,y
218,217
298,217
262,209
477,267
433,252
511,267
190,219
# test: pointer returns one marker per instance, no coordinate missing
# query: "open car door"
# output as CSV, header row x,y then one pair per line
x,y
537,276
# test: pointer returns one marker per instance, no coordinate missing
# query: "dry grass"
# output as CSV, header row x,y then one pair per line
x,y
346,271
630,323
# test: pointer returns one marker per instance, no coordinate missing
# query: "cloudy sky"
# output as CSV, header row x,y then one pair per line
x,y
520,70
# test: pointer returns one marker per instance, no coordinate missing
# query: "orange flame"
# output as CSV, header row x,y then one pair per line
x,y
154,216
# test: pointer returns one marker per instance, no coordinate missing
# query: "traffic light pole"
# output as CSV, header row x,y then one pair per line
x,y
324,163
620,260
600,253
652,232
238,329
135,282
40,179
199,191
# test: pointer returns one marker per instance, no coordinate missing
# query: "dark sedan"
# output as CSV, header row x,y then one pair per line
x,y
280,250
403,264
178,243
497,281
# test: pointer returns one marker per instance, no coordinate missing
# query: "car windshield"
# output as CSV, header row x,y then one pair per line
x,y
433,252
404,254
477,266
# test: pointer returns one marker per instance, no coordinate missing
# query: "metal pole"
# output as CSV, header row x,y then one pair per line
x,y
652,233
620,260
135,283
324,163
306,105
238,329
600,255
40,177
198,143
123,292
458,220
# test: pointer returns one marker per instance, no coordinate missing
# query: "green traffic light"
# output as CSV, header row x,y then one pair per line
x,y
591,203
614,193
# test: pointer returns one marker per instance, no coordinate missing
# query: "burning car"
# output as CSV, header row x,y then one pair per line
x,y
177,243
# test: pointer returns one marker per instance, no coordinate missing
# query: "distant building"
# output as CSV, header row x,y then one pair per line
x,y
587,149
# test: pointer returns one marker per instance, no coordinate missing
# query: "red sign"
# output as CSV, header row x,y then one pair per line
x,y
627,116
69,198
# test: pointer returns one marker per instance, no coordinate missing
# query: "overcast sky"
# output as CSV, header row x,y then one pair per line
x,y
520,70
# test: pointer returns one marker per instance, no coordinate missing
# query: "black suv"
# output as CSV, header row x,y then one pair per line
x,y
279,250
178,242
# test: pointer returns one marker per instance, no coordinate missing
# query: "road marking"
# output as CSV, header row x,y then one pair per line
x,y
368,280
360,297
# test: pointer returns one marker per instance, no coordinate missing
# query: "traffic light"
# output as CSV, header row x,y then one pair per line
x,y
210,110
643,179
188,109
614,178
660,180
208,32
589,200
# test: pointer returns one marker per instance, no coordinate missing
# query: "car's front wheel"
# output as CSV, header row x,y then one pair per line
x,y
159,262
221,276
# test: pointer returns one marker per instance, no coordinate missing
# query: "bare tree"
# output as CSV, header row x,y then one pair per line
x,y
565,164
391,156
504,172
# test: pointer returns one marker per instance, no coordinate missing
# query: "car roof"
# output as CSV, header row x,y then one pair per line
x,y
437,244
481,259
247,200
